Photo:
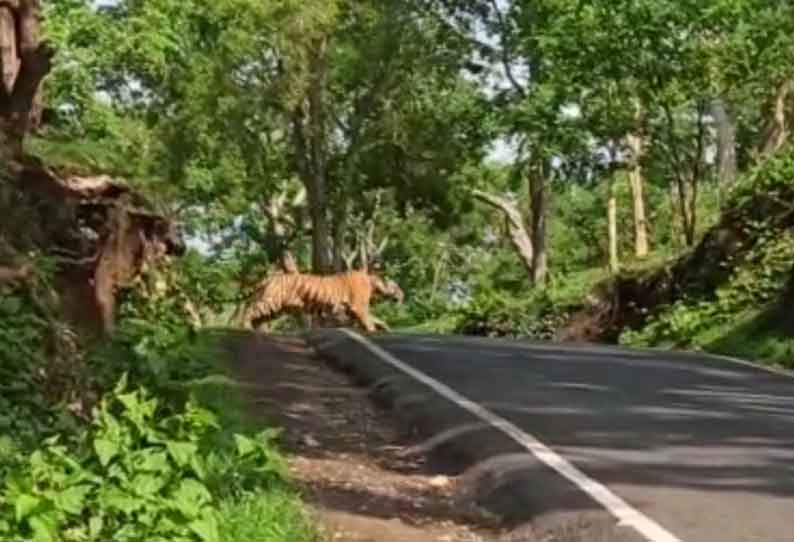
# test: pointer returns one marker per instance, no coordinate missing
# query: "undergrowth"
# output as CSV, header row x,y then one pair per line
x,y
746,315
166,453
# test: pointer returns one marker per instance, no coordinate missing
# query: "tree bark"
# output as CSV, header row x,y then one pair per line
x,y
309,139
612,221
318,194
24,62
341,216
636,144
776,128
727,168
676,232
519,236
687,171
539,201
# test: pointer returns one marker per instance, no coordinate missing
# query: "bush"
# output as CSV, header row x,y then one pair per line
x,y
496,314
138,474
759,273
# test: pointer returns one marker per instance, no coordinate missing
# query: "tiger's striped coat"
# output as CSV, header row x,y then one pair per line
x,y
349,292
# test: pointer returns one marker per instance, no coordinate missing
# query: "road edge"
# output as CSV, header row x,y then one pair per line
x,y
405,391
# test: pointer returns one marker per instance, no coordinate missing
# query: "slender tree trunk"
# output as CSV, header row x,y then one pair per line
x,y
519,237
539,198
676,232
727,168
687,220
612,221
635,142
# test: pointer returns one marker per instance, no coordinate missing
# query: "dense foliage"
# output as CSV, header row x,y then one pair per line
x,y
507,162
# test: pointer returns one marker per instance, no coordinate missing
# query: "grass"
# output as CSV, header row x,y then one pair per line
x,y
273,516
76,154
756,335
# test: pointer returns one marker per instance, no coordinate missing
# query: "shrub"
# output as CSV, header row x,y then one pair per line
x,y
138,474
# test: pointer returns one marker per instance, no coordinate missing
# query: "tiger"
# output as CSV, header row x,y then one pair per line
x,y
337,294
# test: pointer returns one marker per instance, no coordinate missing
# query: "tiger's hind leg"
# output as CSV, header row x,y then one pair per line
x,y
261,324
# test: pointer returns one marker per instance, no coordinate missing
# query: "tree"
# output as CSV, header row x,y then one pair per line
x,y
25,60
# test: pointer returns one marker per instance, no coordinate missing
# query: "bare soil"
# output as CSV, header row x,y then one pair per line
x,y
354,467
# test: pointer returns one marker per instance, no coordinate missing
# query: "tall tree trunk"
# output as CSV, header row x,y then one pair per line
x,y
539,201
686,212
341,212
612,221
727,168
676,231
776,128
687,169
635,142
24,62
310,142
318,195
516,227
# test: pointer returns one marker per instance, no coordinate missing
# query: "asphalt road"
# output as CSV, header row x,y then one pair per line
x,y
702,446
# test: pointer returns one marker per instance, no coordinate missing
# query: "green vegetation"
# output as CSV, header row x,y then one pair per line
x,y
745,313
613,171
167,453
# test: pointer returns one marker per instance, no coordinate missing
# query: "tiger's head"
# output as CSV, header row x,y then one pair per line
x,y
388,288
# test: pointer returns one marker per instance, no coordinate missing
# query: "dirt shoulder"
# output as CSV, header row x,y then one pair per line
x,y
355,468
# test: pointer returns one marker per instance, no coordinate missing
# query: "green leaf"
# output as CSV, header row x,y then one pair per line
x,y
120,500
245,445
24,505
72,500
44,527
106,450
151,460
181,452
190,497
95,525
147,485
121,385
206,527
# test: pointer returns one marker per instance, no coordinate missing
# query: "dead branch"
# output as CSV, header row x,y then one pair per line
x,y
515,224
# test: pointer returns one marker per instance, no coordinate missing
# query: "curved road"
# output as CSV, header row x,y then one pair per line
x,y
702,446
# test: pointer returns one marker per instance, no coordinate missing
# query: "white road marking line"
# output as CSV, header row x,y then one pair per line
x,y
626,514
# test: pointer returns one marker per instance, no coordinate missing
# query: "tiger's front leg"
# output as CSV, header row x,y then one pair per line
x,y
380,324
364,318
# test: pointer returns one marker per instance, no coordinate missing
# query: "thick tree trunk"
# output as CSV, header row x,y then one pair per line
x,y
612,221
539,200
635,143
309,139
516,227
776,129
24,62
727,167
341,212
318,194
